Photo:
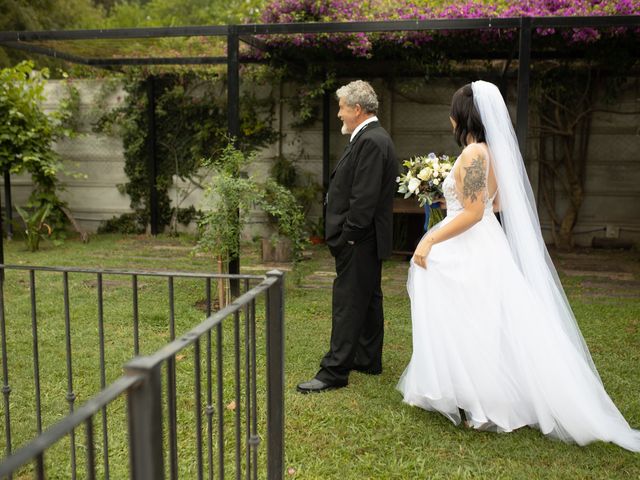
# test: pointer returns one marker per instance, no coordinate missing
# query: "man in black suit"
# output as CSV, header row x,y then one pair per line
x,y
358,231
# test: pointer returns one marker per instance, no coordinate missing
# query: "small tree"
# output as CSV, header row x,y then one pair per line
x,y
27,135
229,197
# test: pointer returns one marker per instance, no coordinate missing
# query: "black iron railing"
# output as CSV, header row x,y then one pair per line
x,y
156,414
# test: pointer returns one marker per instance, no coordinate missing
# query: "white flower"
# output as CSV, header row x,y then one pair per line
x,y
414,183
425,173
432,156
436,181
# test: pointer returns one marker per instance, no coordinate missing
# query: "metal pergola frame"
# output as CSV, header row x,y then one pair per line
x,y
246,33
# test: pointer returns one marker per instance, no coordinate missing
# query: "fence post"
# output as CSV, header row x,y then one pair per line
x,y
275,377
145,421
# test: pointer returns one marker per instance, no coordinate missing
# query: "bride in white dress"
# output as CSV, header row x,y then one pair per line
x,y
494,336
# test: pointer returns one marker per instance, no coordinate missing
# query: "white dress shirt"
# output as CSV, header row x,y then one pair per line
x,y
362,125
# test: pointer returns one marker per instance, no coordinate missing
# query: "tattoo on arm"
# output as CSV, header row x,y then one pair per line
x,y
474,181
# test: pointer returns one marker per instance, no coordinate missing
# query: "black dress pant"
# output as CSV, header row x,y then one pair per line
x,y
357,327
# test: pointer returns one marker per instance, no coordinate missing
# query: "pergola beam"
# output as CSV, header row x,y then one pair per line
x,y
331,27
115,33
254,42
586,21
379,26
437,24
28,47
124,61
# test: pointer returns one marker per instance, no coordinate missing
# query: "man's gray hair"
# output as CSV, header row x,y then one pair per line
x,y
361,93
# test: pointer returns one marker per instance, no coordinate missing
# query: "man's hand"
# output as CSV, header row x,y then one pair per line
x,y
422,252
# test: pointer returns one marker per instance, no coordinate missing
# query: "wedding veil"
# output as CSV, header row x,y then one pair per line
x,y
519,215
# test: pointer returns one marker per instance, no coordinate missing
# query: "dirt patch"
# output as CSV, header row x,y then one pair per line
x,y
607,274
265,267
601,274
320,279
598,260
202,305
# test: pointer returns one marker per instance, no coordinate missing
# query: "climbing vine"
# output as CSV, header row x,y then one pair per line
x,y
190,124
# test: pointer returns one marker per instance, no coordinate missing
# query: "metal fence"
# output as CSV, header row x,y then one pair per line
x,y
171,428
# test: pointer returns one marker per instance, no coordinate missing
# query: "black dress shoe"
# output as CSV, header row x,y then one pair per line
x,y
316,386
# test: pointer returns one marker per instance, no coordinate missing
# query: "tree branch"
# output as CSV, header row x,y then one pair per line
x,y
84,236
566,187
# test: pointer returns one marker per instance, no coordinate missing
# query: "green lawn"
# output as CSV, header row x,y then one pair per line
x,y
363,431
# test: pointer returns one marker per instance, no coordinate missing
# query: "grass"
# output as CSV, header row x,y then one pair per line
x,y
360,432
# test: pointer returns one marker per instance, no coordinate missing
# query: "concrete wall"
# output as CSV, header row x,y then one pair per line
x,y
612,188
416,115
94,162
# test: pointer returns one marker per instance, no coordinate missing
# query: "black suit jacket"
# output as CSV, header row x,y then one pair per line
x,y
360,197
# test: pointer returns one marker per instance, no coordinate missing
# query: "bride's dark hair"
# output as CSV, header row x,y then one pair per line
x,y
466,116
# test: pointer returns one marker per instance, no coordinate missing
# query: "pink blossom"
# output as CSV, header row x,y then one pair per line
x,y
364,44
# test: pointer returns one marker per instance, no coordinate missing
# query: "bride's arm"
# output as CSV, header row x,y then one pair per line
x,y
472,175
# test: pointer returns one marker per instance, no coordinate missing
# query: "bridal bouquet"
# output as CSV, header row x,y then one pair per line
x,y
423,178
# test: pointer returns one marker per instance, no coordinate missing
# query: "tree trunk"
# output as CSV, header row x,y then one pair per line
x,y
84,236
565,117
222,294
570,218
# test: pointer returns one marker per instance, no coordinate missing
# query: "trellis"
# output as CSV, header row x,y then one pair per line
x,y
39,42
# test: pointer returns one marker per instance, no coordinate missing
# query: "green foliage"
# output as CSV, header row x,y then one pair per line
x,y
186,215
45,15
191,124
34,226
128,223
48,14
304,188
229,198
71,106
225,198
27,134
311,87
283,207
156,13
80,14
220,225
283,171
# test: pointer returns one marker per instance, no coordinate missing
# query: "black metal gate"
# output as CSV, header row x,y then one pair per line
x,y
156,414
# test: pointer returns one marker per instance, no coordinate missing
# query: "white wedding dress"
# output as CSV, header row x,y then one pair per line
x,y
486,342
